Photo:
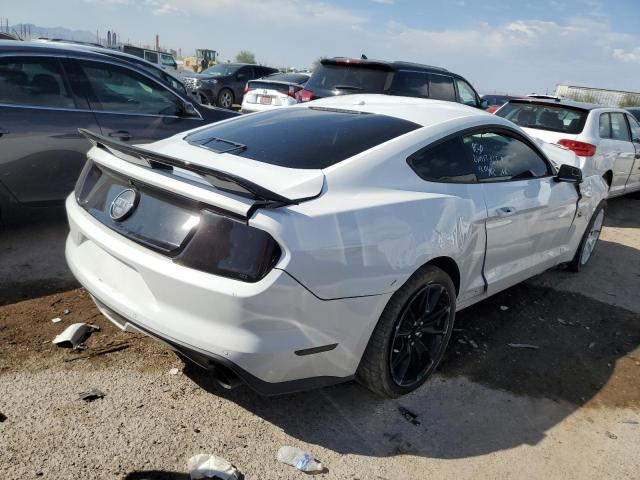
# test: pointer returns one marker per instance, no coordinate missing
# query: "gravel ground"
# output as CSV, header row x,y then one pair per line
x,y
570,409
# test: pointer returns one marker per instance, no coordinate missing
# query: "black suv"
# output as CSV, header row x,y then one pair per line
x,y
342,76
223,84
48,91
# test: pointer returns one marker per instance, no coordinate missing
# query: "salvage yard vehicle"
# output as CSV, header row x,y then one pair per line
x,y
341,253
48,91
346,76
606,140
223,84
273,91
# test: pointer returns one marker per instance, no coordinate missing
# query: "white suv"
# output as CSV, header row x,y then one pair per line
x,y
607,140
341,252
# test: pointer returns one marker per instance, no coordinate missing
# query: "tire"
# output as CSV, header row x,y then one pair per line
x,y
203,99
588,242
225,99
391,338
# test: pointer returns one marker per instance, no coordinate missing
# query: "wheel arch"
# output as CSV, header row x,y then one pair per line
x,y
450,267
608,177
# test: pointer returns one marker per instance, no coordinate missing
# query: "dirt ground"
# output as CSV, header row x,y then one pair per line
x,y
568,409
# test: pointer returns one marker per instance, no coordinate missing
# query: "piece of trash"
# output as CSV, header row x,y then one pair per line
x,y
174,371
97,353
205,465
3,417
409,415
523,345
592,344
74,335
561,321
504,308
91,395
56,320
462,341
628,422
300,459
473,344
612,436
66,311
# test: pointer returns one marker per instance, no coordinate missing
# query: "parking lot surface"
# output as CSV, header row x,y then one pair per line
x,y
569,408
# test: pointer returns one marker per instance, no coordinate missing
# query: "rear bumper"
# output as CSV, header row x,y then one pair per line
x,y
257,330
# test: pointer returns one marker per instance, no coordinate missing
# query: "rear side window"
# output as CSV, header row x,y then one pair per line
x,y
151,56
446,162
321,137
545,116
605,125
410,84
619,129
498,157
441,88
348,78
34,82
635,128
466,94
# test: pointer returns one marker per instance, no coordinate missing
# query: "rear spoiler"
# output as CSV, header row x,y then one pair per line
x,y
220,180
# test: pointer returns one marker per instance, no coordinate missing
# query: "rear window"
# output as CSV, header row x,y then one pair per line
x,y
348,78
555,118
307,138
298,78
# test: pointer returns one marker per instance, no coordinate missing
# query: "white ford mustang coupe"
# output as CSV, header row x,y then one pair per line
x,y
327,241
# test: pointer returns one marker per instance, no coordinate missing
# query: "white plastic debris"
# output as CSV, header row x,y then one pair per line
x,y
66,311
205,465
74,335
56,320
504,308
300,459
174,371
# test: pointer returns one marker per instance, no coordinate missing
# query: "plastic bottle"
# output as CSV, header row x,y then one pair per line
x,y
300,459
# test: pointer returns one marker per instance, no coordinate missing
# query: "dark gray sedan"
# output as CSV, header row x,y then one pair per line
x,y
49,91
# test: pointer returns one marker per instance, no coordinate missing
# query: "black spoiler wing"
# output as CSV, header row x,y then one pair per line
x,y
220,180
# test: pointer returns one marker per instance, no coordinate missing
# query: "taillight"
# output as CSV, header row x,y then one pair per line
x,y
247,88
582,149
293,91
230,248
304,95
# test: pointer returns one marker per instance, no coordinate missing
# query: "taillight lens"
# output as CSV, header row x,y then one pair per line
x,y
582,149
247,88
304,95
230,248
293,91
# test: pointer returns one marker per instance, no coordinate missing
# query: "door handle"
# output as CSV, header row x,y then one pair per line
x,y
505,211
121,134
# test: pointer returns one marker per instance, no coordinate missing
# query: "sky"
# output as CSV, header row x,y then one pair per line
x,y
506,46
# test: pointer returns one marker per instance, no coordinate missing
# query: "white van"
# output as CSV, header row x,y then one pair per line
x,y
162,59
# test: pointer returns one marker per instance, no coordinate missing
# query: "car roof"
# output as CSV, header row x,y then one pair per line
x,y
561,102
393,65
425,112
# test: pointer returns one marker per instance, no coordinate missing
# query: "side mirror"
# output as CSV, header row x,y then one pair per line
x,y
569,173
484,104
188,110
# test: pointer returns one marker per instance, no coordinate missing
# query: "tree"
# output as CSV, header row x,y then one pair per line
x,y
245,56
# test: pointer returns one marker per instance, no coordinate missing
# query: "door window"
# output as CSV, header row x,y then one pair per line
x,y
33,81
446,162
466,94
441,87
635,128
619,128
410,84
498,157
245,74
120,90
168,61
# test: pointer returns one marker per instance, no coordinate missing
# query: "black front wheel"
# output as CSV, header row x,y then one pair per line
x,y
411,335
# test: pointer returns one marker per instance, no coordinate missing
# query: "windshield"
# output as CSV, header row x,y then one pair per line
x,y
322,137
555,118
221,70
